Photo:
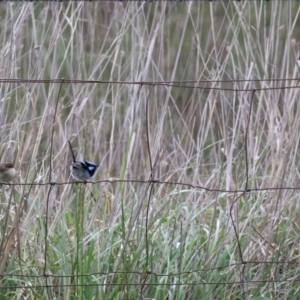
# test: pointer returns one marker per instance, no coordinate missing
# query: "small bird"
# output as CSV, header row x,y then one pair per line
x,y
7,172
81,170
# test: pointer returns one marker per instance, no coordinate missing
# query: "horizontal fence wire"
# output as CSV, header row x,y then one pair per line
x,y
188,84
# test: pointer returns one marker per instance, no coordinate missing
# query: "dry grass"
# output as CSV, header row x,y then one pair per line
x,y
196,136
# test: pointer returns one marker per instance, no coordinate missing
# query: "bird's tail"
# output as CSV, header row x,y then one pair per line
x,y
71,149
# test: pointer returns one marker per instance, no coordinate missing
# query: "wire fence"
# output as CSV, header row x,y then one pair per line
x,y
150,183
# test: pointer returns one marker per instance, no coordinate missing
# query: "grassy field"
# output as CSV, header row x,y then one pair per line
x,y
167,215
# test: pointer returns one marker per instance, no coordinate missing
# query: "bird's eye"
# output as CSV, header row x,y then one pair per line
x,y
92,164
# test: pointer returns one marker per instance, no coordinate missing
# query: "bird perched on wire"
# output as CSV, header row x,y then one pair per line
x,y
81,170
7,172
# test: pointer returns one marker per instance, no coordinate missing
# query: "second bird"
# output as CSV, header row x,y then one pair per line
x,y
7,172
